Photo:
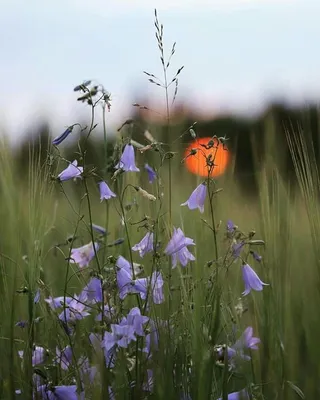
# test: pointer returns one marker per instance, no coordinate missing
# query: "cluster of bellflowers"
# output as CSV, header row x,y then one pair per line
x,y
119,302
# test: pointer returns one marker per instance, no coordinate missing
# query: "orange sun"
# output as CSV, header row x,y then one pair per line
x,y
197,163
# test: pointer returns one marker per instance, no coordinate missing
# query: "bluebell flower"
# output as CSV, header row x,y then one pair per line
x,y
256,256
145,245
151,173
108,313
38,355
64,357
153,285
57,302
230,226
83,255
125,283
59,392
197,198
251,280
137,320
63,136
75,310
133,269
121,335
105,192
247,340
92,292
177,248
127,160
37,296
71,172
237,248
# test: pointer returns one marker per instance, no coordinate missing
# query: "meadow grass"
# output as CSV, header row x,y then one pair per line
x,y
195,324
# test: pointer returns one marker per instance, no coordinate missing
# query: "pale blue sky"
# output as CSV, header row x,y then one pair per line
x,y
237,54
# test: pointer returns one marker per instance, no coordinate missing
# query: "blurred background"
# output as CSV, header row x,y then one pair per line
x,y
249,66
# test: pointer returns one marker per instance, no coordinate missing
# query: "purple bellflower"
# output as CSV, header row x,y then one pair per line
x,y
126,284
59,139
121,335
256,256
137,320
177,248
99,229
247,340
83,255
64,357
153,285
108,313
197,198
127,160
242,395
71,172
151,173
131,268
105,192
38,355
57,302
92,292
37,296
59,393
145,245
75,310
237,248
230,226
251,280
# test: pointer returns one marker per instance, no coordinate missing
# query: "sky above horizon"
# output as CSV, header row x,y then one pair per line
x,y
238,55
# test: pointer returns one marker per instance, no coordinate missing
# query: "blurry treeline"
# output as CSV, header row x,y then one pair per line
x,y
250,140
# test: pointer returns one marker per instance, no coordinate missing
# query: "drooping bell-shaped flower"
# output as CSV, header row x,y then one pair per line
x,y
127,160
197,198
83,255
177,248
105,192
145,245
242,395
151,173
71,172
251,280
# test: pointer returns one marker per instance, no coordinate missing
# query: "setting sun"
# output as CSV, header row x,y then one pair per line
x,y
197,163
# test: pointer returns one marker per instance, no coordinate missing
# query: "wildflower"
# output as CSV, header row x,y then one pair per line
x,y
74,311
145,245
83,255
256,256
236,249
108,313
105,192
56,302
38,355
242,395
64,357
92,292
22,324
59,392
230,226
133,269
86,370
37,297
151,173
63,136
148,385
137,320
197,198
177,248
247,340
99,229
120,335
127,161
251,280
71,172
142,285
125,283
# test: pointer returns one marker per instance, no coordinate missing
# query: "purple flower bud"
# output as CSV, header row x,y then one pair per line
x,y
38,355
151,173
92,292
256,256
145,245
99,229
127,160
251,280
22,324
236,249
197,198
63,136
71,172
230,226
83,255
37,297
105,192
